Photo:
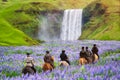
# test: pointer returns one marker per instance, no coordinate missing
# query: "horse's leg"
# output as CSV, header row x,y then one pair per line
x,y
44,67
33,69
93,58
80,61
23,71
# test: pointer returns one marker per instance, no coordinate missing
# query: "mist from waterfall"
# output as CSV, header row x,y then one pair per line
x,y
71,25
49,28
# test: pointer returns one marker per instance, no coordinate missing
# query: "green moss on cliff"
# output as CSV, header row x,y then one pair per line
x,y
102,20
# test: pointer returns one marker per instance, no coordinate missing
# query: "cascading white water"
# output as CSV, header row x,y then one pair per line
x,y
71,25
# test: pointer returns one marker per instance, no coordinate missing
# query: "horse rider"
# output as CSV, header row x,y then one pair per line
x,y
83,54
30,61
48,59
64,57
89,55
95,50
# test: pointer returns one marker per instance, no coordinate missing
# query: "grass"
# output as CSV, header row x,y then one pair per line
x,y
12,36
109,53
104,26
11,73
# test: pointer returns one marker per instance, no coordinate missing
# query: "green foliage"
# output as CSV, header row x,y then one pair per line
x,y
12,36
75,62
38,68
103,22
11,73
18,52
39,54
80,79
56,64
109,53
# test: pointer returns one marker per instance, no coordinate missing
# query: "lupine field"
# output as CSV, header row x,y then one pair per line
x,y
107,68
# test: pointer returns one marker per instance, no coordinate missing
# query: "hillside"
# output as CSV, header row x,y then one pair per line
x,y
22,16
12,36
102,20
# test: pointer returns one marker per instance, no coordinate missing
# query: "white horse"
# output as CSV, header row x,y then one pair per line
x,y
95,58
63,63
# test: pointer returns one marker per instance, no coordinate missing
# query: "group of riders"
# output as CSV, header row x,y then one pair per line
x,y
85,57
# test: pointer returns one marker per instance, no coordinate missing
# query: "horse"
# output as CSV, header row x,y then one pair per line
x,y
63,63
52,58
28,70
83,61
91,59
95,58
47,66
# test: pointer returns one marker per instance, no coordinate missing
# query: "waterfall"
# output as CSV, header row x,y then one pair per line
x,y
71,24
60,26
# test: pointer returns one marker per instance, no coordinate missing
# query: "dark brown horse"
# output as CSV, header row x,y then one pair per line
x,y
28,70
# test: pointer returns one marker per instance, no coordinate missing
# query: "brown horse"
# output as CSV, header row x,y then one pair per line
x,y
82,61
47,66
91,59
53,58
28,70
